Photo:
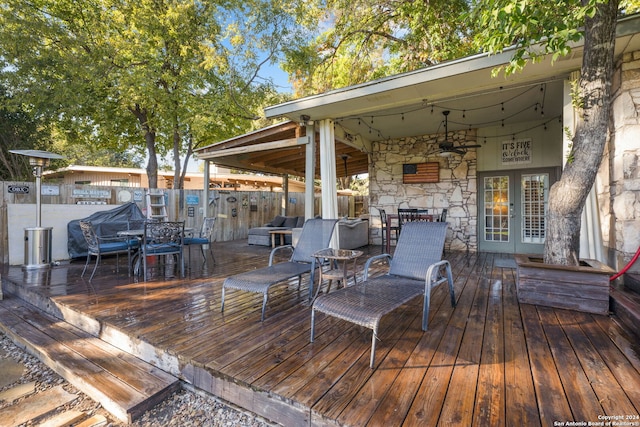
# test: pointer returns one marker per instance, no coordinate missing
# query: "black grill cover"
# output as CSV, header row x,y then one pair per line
x,y
106,223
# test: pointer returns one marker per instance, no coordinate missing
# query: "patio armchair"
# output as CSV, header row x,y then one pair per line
x,y
203,239
162,238
316,234
105,245
414,270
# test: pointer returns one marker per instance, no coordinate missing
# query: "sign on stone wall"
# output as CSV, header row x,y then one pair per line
x,y
516,151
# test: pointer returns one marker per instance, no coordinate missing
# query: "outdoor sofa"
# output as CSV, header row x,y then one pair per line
x,y
261,236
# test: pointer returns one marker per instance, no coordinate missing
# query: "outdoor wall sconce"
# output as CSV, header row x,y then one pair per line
x,y
305,120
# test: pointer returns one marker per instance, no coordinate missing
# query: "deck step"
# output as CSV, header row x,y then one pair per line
x,y
123,384
632,282
625,304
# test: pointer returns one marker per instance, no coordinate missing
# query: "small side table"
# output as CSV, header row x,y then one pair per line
x,y
337,272
282,233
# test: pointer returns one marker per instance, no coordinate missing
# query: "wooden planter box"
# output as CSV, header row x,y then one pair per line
x,y
582,288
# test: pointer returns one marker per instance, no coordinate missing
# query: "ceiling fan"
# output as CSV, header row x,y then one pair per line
x,y
446,147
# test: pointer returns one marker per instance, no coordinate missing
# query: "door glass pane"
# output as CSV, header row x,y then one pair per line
x,y
496,208
534,199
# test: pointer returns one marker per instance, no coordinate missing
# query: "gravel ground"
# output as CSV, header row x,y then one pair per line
x,y
183,408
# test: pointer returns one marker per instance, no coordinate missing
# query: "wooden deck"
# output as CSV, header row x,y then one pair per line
x,y
488,361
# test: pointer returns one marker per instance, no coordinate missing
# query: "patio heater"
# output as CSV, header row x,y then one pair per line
x,y
37,240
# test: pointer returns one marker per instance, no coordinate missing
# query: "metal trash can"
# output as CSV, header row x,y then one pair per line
x,y
37,247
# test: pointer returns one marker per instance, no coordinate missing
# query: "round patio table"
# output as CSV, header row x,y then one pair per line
x,y
336,271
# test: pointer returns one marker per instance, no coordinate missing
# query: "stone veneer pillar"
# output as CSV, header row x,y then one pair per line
x,y
620,198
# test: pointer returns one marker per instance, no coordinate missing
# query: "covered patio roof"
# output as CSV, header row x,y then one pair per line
x,y
280,149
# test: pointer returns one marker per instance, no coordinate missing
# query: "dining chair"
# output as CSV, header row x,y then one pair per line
x,y
406,215
203,239
105,245
443,215
160,239
389,233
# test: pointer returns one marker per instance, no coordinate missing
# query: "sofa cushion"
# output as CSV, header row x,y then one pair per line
x,y
353,233
290,221
300,222
277,221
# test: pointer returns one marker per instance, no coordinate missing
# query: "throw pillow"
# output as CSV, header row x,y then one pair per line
x,y
278,221
290,221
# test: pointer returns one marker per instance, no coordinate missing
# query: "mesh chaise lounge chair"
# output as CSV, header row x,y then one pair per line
x,y
415,269
315,235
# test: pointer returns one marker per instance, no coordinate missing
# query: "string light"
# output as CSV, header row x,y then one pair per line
x,y
424,105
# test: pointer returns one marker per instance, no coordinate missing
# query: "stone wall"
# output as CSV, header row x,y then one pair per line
x,y
456,190
620,199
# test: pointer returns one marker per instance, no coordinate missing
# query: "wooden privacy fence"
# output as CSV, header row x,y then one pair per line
x,y
237,211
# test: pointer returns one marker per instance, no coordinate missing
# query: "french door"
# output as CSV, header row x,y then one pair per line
x,y
512,210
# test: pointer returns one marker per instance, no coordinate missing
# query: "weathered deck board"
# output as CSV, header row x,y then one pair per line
x,y
552,400
123,384
605,386
488,361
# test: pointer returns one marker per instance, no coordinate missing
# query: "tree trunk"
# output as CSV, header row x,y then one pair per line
x,y
567,196
178,183
150,141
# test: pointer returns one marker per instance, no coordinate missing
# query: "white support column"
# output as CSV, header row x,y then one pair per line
x,y
285,191
328,170
310,172
205,194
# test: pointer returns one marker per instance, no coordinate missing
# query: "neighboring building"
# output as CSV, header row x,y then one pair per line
x,y
132,177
